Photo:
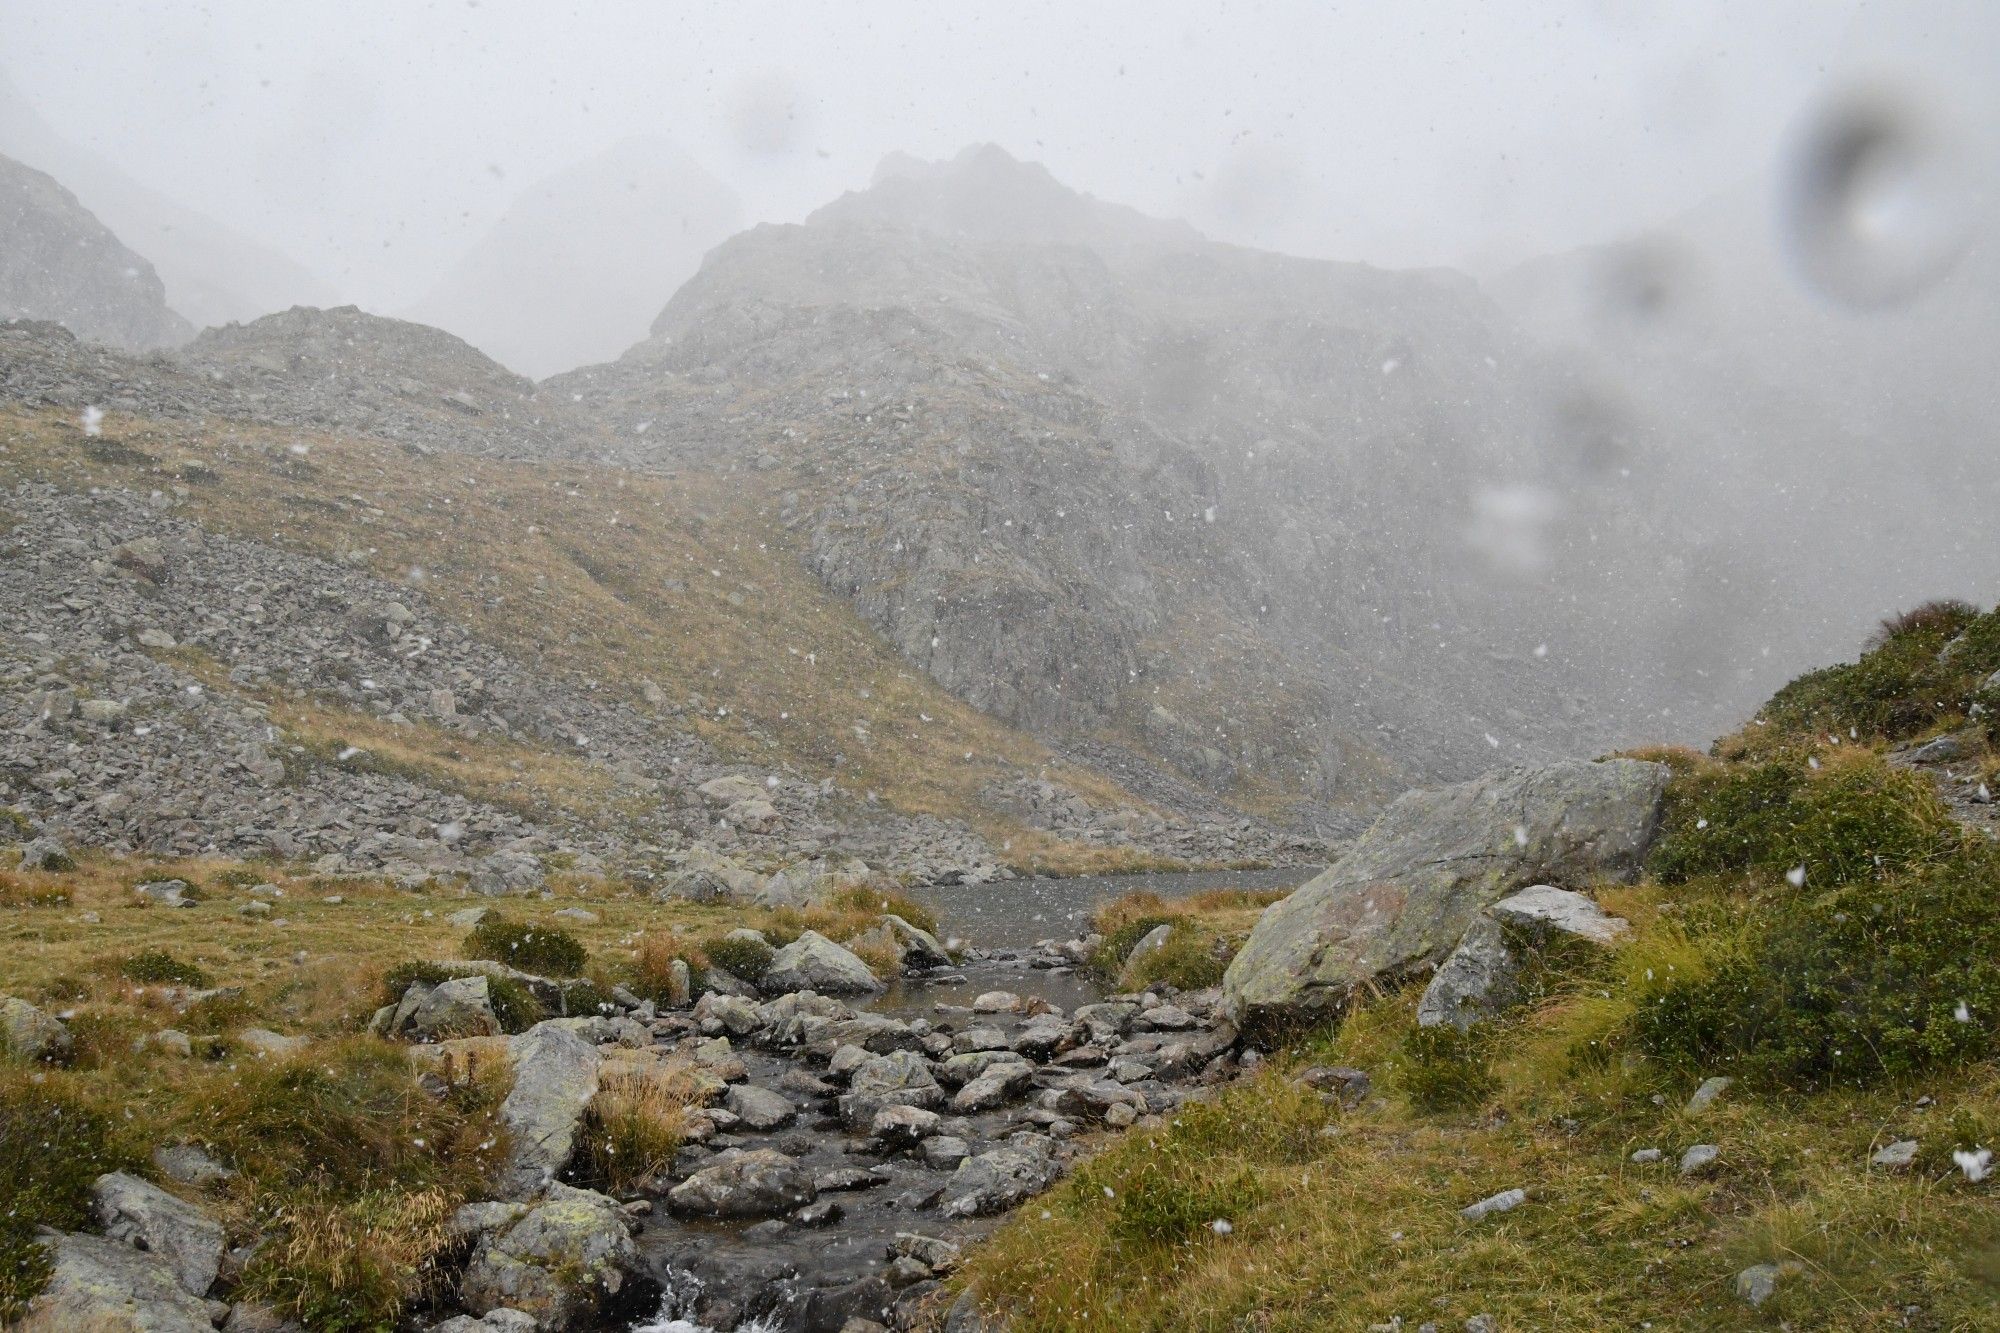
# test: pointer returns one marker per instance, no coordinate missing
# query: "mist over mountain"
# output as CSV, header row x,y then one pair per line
x,y
212,274
577,267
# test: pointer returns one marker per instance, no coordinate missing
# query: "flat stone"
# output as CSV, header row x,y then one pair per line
x,y
1506,1201
1699,1158
140,1213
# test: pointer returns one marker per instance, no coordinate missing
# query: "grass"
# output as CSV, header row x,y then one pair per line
x,y
1206,930
635,1125
54,1142
1856,1004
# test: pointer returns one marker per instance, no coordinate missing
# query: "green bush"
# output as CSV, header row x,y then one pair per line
x,y
1169,1196
53,1146
544,950
584,999
1873,982
514,1004
1191,959
1856,818
1443,1069
157,967
1922,667
743,958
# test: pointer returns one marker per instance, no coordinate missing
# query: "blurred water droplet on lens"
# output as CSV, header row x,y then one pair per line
x,y
1879,198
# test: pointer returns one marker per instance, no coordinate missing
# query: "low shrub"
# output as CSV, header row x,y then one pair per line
x,y
53,1146
544,950
1170,1196
742,957
1443,1069
157,967
1920,668
1855,818
1874,982
584,998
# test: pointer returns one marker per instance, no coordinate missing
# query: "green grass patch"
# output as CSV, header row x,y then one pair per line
x,y
157,967
54,1143
544,950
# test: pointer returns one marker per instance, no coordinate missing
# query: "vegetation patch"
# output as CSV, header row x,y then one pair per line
x,y
54,1143
742,956
1444,1069
513,1002
544,950
157,967
653,967
1206,931
633,1127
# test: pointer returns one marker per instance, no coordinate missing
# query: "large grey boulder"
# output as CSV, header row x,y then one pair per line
x,y
555,1076
759,1183
460,1007
141,1214
27,1034
815,963
102,1286
900,1078
1413,884
561,1262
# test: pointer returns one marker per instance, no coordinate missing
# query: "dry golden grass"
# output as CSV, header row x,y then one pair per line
x,y
637,1122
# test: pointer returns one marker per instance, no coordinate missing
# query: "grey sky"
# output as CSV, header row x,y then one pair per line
x,y
374,139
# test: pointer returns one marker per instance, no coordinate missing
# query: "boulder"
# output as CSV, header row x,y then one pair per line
x,y
1481,977
555,1076
759,1108
899,1127
140,1214
46,854
563,1262
995,1086
101,1286
460,1007
27,1034
1000,1178
506,874
900,1078
1412,885
815,963
1542,910
731,790
753,816
760,1183
921,949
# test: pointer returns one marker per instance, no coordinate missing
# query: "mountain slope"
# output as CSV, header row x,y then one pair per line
x,y
59,263
1218,501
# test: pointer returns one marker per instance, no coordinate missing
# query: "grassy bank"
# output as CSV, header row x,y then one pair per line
x,y
1813,925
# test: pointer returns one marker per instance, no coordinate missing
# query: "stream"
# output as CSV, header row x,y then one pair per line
x,y
812,1270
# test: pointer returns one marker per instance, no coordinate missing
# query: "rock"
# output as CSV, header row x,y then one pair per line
x,y
1480,978
727,1013
815,963
502,1320
562,1262
753,816
1645,1156
469,917
1152,941
460,1007
1757,1283
1705,1095
506,874
46,854
999,1179
939,1255
1506,1201
1412,885
759,1183
759,1108
900,1127
1896,1156
29,1035
141,1214
900,1078
944,1152
996,1002
1948,749
185,1164
555,1076
1348,1085
252,1317
165,893
997,1086
101,1286
1542,909
921,949
1699,1158
580,915
269,1045
731,790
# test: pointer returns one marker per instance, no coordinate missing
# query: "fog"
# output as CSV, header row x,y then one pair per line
x,y
376,143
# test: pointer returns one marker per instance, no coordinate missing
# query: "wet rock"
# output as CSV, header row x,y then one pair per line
x,y
997,1086
999,1179
900,1127
901,1078
555,1075
996,1002
944,1152
815,963
1410,887
141,1214
759,1108
921,949
29,1035
758,1183
100,1284
563,1262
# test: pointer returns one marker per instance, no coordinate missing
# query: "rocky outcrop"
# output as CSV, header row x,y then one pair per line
x,y
1482,975
1417,880
60,263
564,1260
143,1215
555,1076
102,1286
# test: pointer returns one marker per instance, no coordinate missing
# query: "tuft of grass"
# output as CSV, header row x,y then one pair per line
x,y
634,1126
1855,817
744,958
54,1143
543,950
1208,928
353,1265
652,967
157,967
1444,1069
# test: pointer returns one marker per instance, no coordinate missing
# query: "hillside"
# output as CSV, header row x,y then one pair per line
x,y
1285,528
